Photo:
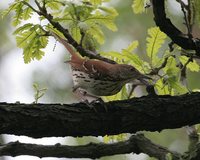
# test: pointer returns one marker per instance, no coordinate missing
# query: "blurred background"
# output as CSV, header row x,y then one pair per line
x,y
17,78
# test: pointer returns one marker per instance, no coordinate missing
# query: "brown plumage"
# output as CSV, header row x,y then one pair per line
x,y
97,77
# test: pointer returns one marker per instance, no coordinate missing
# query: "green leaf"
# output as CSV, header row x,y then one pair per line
x,y
27,13
132,46
75,32
113,55
97,33
154,40
23,28
124,93
12,7
107,21
23,39
93,2
171,69
18,15
134,59
110,11
161,87
22,12
138,6
29,38
55,4
192,66
50,28
170,85
174,84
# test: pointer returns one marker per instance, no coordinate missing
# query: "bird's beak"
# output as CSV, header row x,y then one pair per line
x,y
67,61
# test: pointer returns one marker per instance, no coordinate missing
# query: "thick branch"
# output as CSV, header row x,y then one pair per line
x,y
172,31
128,116
136,144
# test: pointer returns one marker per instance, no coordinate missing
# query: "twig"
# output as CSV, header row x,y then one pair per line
x,y
182,3
27,4
156,70
186,21
183,67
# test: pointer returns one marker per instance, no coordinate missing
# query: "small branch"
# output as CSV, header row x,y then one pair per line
x,y
182,3
185,53
156,70
42,11
172,31
136,144
27,4
186,21
184,67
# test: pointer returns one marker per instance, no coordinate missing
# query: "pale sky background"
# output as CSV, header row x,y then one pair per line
x,y
16,84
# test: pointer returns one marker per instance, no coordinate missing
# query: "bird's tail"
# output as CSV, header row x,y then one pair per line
x,y
71,50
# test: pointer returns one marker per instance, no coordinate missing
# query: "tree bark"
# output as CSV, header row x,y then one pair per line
x,y
128,116
136,144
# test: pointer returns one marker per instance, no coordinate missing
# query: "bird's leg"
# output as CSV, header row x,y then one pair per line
x,y
83,96
100,100
96,100
79,93
149,87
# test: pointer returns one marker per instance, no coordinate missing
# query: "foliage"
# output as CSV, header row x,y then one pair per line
x,y
32,39
84,21
154,42
168,79
39,92
139,6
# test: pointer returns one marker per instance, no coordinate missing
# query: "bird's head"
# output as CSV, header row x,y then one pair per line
x,y
125,71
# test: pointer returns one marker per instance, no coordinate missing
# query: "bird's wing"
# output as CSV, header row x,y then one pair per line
x,y
94,68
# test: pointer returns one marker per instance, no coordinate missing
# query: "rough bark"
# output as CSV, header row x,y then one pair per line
x,y
136,144
128,116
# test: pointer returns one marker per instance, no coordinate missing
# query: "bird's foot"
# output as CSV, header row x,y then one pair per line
x,y
101,102
90,105
151,91
95,104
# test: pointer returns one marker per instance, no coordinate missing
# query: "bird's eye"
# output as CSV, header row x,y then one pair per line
x,y
132,69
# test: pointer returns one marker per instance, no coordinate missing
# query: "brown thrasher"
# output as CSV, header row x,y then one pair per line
x,y
97,77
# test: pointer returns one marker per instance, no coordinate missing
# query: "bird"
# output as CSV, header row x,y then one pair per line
x,y
98,78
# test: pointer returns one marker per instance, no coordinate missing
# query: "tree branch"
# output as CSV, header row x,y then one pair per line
x,y
165,25
128,116
136,144
84,52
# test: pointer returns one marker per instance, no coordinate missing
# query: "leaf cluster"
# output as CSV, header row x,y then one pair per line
x,y
166,67
39,92
84,21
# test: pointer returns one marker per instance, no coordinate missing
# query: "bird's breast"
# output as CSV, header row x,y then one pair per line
x,y
95,86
